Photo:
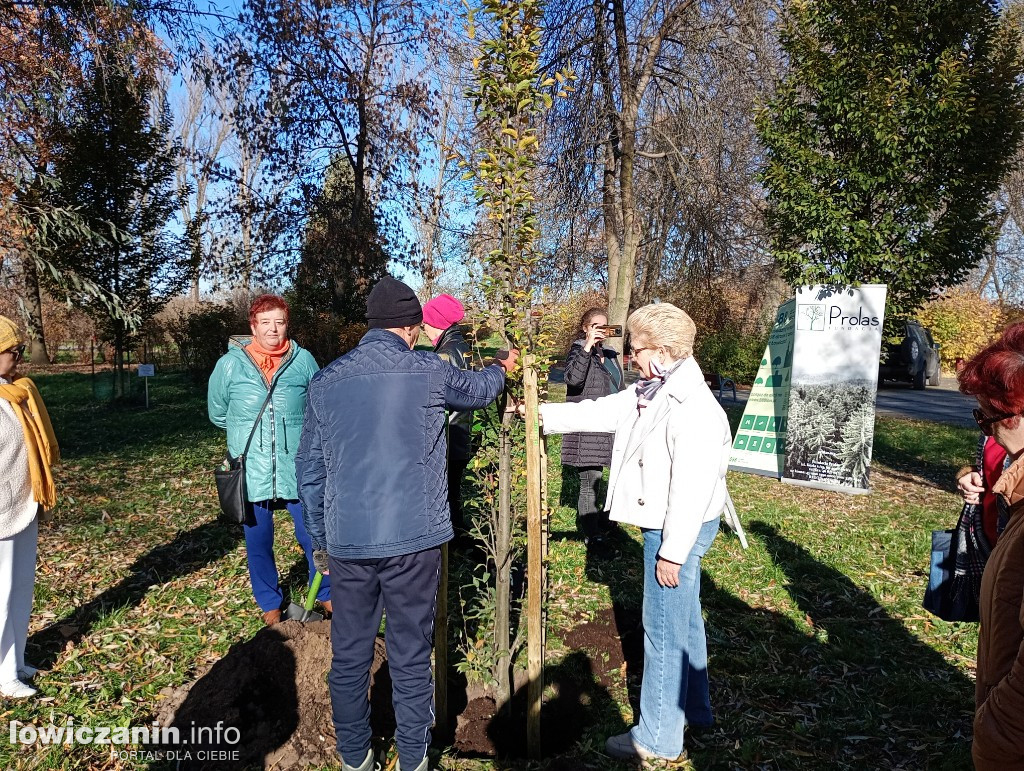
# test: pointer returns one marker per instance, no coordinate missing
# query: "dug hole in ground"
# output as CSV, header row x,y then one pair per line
x,y
273,689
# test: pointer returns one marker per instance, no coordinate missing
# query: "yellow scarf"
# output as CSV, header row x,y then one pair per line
x,y
43,451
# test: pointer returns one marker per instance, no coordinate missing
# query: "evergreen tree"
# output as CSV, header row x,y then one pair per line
x,y
116,168
886,141
343,255
343,252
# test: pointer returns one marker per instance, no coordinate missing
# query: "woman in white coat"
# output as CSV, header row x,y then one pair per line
x,y
27,450
669,459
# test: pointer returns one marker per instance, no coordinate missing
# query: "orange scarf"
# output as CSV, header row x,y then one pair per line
x,y
43,451
268,361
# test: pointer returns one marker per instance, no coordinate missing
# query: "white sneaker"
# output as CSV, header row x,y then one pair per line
x,y
17,690
623,747
368,764
27,672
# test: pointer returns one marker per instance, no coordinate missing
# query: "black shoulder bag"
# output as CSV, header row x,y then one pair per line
x,y
235,507
958,560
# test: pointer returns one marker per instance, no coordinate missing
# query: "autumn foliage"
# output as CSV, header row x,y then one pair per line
x,y
962,323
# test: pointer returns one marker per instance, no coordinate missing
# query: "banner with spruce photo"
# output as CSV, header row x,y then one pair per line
x,y
760,443
831,419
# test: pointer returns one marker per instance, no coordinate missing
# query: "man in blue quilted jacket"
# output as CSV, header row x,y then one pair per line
x,y
372,477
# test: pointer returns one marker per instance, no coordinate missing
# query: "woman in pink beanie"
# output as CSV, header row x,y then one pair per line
x,y
441,317
441,313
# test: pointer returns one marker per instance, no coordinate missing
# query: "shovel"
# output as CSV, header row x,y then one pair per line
x,y
295,612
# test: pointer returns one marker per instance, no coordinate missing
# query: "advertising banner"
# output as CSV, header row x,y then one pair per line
x,y
760,443
831,419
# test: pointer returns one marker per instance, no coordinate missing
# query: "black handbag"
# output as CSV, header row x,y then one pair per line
x,y
957,564
958,560
235,506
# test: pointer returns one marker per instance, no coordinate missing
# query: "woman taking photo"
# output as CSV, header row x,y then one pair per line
x,y
591,371
670,453
995,376
28,449
238,388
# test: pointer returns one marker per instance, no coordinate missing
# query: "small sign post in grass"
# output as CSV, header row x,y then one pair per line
x,y
146,371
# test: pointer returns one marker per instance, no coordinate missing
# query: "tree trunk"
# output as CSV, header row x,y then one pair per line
x,y
503,569
196,260
612,244
244,201
619,211
33,311
120,344
431,227
622,262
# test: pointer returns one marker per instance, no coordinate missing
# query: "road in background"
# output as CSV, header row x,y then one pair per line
x,y
938,404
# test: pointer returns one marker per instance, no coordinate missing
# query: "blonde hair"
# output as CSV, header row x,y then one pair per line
x,y
662,325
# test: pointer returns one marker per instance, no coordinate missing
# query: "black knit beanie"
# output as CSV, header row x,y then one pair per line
x,y
392,304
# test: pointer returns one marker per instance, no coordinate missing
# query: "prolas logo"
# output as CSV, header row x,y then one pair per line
x,y
835,316
811,317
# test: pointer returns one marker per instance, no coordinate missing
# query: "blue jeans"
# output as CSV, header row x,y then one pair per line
x,y
674,691
259,552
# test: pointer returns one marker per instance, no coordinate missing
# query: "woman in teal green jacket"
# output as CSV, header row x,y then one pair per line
x,y
238,388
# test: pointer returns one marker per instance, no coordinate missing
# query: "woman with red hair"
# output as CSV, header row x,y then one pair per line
x,y
995,376
238,388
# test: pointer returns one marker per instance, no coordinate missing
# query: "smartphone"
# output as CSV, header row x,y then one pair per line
x,y
613,331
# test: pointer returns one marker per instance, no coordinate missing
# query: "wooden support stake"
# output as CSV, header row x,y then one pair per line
x,y
534,562
441,647
545,508
545,523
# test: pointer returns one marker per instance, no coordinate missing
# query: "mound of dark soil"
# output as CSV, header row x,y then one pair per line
x,y
615,640
273,689
580,698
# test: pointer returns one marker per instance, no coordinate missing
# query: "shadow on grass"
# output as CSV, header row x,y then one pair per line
x,y
909,447
854,690
578,705
569,495
191,550
604,566
238,713
85,425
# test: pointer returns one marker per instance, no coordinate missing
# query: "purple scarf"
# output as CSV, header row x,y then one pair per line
x,y
647,389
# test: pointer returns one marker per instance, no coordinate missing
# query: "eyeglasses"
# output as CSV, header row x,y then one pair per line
x,y
17,352
985,422
634,351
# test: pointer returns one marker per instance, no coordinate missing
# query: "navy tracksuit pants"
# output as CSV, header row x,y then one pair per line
x,y
406,588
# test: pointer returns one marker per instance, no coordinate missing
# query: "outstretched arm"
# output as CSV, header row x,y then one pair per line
x,y
599,416
467,390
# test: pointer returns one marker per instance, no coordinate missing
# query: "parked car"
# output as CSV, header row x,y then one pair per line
x,y
915,359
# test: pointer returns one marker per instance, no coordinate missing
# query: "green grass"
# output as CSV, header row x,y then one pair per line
x,y
821,656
